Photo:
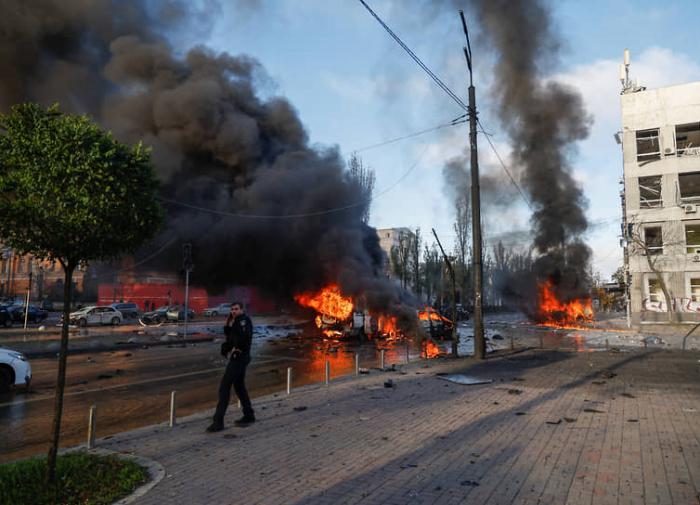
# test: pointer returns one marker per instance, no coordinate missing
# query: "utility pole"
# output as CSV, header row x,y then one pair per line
x,y
455,335
479,342
187,265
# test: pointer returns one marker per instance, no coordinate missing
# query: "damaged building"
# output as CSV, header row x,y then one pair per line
x,y
660,140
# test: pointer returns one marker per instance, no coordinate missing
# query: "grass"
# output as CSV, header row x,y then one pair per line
x,y
81,478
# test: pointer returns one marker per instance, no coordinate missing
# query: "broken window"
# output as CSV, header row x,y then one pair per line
x,y
656,295
650,192
688,139
695,289
648,145
689,186
692,238
653,240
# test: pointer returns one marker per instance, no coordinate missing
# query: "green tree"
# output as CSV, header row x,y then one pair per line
x,y
70,192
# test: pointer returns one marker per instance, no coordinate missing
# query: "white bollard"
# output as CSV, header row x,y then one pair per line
x,y
357,364
381,360
91,427
328,372
289,380
173,417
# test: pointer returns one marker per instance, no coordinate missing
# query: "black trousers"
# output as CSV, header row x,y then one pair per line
x,y
234,376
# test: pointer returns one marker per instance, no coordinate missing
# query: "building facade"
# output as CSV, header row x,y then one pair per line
x,y
392,239
661,201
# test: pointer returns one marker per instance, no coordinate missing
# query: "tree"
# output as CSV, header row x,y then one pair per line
x,y
462,228
69,192
365,177
651,247
415,250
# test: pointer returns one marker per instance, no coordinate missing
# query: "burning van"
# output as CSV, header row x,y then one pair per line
x,y
435,324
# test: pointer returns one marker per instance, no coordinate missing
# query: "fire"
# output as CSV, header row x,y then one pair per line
x,y
556,313
430,349
386,325
430,314
329,301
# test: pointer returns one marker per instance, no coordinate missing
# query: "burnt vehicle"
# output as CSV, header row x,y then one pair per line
x,y
435,324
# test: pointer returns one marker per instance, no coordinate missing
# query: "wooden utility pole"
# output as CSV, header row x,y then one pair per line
x,y
479,341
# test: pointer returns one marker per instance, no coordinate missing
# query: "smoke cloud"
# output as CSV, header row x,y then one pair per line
x,y
287,217
543,120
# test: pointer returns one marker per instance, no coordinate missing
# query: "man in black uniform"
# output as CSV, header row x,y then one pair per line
x,y
239,335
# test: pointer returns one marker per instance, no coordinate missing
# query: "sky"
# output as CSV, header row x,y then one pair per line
x,y
354,87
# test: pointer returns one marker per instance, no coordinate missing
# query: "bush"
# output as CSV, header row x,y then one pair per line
x,y
81,478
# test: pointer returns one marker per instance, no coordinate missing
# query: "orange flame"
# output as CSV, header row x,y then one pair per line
x,y
554,312
329,301
430,314
386,325
430,349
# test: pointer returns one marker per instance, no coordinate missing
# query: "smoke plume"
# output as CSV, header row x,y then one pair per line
x,y
543,120
286,217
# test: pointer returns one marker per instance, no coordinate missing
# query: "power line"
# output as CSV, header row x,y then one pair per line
x,y
415,58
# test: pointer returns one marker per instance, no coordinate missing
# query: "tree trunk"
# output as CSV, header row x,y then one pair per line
x,y
61,378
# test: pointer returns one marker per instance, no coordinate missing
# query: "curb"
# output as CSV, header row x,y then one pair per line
x,y
115,347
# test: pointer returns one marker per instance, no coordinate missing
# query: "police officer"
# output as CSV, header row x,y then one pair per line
x,y
239,335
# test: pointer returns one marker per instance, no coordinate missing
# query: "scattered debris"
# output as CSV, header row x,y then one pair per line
x,y
389,384
520,413
518,379
569,419
464,380
558,421
593,411
300,408
364,371
598,383
633,420
469,483
104,376
496,336
628,395
607,374
515,391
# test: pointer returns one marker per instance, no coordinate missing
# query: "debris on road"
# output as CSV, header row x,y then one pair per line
x,y
300,408
464,380
389,384
558,421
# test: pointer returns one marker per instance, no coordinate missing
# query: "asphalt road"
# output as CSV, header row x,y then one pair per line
x,y
131,388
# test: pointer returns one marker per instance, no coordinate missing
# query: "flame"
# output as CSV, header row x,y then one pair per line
x,y
329,301
430,349
556,313
386,325
430,314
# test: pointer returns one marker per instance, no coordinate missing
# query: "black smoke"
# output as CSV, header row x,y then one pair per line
x,y
543,120
239,178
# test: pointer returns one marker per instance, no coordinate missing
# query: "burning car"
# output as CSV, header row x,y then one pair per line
x,y
435,324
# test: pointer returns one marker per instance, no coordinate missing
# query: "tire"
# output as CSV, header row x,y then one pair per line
x,y
5,380
82,323
115,321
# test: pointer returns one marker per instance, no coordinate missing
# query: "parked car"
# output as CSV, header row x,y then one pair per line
x,y
128,309
34,314
155,316
222,308
15,370
5,316
96,315
177,313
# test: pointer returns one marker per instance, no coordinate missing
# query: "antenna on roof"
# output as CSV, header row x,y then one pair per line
x,y
628,86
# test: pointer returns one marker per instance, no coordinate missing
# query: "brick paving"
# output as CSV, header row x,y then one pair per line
x,y
553,427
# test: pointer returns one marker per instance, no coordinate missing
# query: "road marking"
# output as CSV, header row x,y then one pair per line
x,y
129,384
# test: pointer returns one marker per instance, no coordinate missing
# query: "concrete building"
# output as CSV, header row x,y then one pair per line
x,y
661,200
390,238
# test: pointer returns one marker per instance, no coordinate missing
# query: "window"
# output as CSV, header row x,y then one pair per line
x,y
689,186
653,240
695,289
648,145
692,238
650,192
656,295
688,139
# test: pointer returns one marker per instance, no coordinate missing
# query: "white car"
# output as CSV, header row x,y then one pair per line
x,y
100,314
15,370
222,308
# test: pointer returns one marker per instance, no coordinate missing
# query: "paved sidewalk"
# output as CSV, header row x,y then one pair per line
x,y
552,428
